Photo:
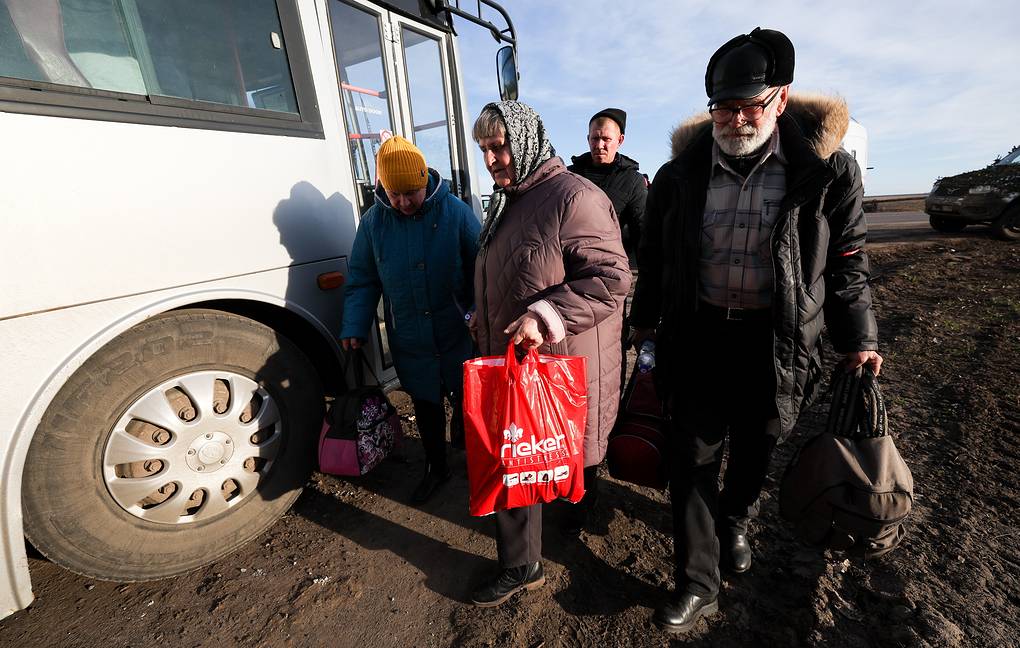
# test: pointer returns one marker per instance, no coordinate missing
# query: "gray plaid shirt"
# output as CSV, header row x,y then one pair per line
x,y
736,260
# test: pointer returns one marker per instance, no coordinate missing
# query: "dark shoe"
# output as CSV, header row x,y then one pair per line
x,y
735,552
579,516
507,583
432,480
574,521
573,528
680,614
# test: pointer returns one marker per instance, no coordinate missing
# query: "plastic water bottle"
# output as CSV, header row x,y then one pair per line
x,y
646,356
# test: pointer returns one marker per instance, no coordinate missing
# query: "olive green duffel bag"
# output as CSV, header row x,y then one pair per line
x,y
848,488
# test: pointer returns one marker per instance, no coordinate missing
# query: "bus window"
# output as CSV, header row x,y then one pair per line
x,y
225,51
222,51
427,95
79,43
359,56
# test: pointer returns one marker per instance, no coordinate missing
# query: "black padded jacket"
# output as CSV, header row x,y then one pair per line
x,y
821,269
625,187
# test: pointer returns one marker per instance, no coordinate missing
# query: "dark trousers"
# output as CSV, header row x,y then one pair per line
x,y
519,536
431,420
578,514
730,392
519,530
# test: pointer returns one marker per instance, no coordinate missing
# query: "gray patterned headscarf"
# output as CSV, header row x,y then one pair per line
x,y
529,148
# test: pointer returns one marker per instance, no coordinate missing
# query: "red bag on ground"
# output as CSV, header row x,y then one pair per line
x,y
524,425
636,452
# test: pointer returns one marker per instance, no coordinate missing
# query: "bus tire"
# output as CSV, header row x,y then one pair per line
x,y
188,398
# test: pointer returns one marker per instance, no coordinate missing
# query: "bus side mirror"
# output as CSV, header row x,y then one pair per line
x,y
506,72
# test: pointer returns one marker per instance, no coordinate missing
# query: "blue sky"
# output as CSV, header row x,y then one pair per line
x,y
934,83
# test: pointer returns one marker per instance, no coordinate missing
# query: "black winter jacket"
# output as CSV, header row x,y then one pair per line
x,y
821,269
625,187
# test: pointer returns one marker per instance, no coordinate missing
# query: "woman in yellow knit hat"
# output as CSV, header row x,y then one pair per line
x,y
416,248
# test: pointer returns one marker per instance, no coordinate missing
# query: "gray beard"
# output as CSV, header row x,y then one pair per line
x,y
742,146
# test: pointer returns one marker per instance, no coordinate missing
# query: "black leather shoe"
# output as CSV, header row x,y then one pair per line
x,y
574,521
507,583
680,614
579,517
736,552
432,480
573,528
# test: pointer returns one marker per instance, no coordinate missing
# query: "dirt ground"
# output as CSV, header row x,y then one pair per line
x,y
353,565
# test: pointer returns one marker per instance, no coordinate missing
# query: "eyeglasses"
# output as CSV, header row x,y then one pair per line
x,y
749,112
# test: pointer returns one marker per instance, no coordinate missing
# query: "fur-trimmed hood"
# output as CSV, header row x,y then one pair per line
x,y
823,118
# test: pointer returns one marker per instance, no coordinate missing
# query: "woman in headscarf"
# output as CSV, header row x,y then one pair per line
x,y
551,273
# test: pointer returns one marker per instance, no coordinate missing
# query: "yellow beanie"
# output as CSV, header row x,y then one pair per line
x,y
401,166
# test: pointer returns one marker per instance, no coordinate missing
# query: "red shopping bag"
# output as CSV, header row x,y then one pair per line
x,y
524,425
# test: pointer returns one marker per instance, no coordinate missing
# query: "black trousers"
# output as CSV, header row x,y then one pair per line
x,y
519,530
519,536
730,391
431,419
578,514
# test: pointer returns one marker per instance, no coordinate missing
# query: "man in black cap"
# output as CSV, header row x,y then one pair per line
x,y
618,176
754,236
614,173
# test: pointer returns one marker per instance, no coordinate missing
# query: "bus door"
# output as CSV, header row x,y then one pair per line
x,y
427,88
366,70
394,76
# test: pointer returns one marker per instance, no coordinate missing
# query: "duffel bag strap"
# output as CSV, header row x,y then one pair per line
x,y
874,422
359,359
858,409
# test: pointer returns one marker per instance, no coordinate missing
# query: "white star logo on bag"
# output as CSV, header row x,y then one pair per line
x,y
513,433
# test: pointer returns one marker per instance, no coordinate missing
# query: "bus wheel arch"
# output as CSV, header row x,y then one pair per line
x,y
70,513
312,342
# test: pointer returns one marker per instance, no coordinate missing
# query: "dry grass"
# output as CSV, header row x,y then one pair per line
x,y
880,204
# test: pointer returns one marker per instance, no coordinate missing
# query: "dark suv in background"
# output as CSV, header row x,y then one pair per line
x,y
989,195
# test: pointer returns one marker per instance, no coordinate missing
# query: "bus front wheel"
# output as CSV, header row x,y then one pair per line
x,y
176,443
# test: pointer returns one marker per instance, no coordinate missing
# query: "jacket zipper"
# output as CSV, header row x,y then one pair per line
x,y
775,332
796,308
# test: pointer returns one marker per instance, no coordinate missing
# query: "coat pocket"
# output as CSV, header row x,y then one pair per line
x,y
814,376
560,348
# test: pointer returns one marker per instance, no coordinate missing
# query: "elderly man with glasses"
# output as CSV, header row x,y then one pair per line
x,y
753,238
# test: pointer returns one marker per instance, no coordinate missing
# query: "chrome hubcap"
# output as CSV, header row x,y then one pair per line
x,y
192,448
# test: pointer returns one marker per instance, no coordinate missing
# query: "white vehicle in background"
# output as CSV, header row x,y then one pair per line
x,y
182,182
855,142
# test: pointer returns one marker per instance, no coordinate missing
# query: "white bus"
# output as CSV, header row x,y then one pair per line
x,y
181,184
855,142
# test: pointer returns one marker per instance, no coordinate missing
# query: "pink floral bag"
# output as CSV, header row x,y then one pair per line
x,y
359,431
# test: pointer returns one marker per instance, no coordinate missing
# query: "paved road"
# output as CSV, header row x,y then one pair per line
x,y
912,227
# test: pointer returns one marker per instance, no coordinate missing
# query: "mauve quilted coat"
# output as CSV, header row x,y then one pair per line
x,y
559,242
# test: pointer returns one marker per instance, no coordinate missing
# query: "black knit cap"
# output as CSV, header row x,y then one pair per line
x,y
749,64
615,114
